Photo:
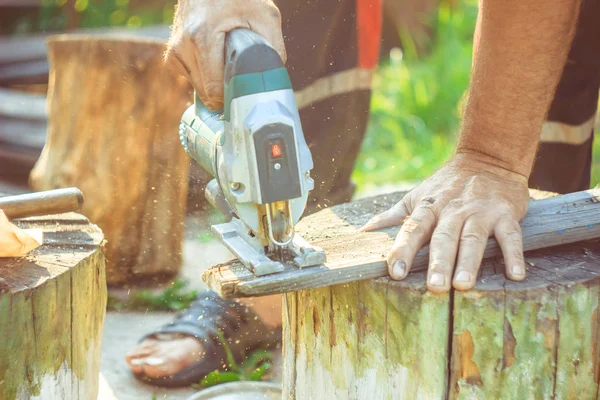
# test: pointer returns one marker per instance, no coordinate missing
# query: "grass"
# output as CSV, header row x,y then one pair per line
x,y
255,368
174,298
415,107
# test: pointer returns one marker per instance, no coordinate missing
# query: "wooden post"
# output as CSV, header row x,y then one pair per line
x,y
52,307
382,339
114,109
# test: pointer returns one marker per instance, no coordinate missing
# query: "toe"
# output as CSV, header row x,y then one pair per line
x,y
141,351
170,357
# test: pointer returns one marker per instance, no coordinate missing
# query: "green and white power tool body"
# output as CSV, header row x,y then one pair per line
x,y
256,151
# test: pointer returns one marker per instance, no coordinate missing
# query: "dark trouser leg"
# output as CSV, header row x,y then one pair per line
x,y
332,50
565,153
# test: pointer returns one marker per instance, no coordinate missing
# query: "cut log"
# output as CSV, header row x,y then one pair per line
x,y
52,307
113,113
382,339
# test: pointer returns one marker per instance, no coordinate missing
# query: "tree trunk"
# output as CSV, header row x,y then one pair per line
x,y
114,110
382,339
52,307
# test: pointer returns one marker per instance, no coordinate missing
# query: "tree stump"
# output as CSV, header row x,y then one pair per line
x,y
52,307
113,113
382,339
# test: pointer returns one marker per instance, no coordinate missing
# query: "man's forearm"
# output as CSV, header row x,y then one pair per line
x,y
519,53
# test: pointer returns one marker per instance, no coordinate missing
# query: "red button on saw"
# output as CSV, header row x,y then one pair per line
x,y
276,150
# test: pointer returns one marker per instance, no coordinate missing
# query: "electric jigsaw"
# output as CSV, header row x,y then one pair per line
x,y
256,152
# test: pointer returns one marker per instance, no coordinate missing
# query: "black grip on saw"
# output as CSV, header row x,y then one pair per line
x,y
246,52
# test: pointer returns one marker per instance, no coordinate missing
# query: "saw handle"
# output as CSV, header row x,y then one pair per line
x,y
246,52
252,66
48,202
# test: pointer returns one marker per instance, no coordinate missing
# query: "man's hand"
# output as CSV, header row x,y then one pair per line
x,y
197,40
458,208
520,50
15,242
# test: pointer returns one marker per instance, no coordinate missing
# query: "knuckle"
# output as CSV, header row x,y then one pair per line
x,y
518,256
513,236
510,229
427,201
398,207
454,204
274,12
408,201
439,266
412,226
214,89
424,211
442,236
397,251
473,237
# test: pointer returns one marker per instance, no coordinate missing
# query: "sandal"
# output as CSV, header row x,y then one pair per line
x,y
204,319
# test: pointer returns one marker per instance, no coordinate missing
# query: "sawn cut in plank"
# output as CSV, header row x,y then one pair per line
x,y
354,256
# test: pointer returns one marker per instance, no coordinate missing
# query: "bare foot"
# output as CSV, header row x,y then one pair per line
x,y
164,355
167,354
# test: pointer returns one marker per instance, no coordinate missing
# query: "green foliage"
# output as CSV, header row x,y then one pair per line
x,y
205,236
62,14
595,180
415,107
254,368
173,298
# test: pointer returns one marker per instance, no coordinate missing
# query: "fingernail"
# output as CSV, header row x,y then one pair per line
x,y
137,361
463,276
399,269
436,279
154,361
517,270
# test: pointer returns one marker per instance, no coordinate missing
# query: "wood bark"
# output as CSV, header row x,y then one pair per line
x,y
114,108
52,308
382,339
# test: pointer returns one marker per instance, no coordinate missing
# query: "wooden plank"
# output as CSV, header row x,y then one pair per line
x,y
16,104
22,132
23,60
354,256
30,135
24,73
33,47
